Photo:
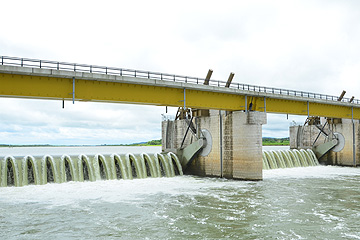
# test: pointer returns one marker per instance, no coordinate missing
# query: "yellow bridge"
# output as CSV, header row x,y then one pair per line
x,y
30,78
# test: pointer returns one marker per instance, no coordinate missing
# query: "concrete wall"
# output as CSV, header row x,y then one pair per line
x,y
209,165
236,144
173,133
247,145
304,137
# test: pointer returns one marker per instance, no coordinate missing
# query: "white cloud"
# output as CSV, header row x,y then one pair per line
x,y
40,121
278,124
303,45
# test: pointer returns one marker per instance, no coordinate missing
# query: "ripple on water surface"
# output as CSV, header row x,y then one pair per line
x,y
300,203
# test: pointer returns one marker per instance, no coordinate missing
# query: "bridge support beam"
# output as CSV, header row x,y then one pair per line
x,y
235,154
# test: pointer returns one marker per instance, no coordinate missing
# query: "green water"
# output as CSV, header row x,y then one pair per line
x,y
299,203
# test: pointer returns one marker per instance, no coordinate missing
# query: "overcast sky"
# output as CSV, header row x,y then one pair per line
x,y
303,45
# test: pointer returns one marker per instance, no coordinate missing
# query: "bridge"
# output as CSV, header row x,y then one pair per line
x,y
43,79
225,144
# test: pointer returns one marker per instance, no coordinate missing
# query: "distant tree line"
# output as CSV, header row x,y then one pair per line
x,y
267,141
149,143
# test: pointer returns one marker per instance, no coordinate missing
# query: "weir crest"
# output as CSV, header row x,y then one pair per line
x,y
289,159
22,171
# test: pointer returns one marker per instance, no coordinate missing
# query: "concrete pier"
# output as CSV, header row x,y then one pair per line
x,y
236,151
303,137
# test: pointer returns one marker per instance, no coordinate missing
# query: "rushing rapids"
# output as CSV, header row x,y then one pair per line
x,y
27,170
289,158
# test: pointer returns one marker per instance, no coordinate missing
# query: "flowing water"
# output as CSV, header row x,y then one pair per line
x,y
22,171
315,202
286,158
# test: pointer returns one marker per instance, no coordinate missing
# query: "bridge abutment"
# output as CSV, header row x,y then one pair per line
x,y
236,151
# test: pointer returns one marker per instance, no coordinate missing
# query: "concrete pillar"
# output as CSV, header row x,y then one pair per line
x,y
247,145
304,137
345,156
236,144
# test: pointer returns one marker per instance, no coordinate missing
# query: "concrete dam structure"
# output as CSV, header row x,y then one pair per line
x,y
319,131
234,140
217,131
231,145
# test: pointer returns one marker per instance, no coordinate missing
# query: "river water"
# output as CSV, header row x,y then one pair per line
x,y
299,203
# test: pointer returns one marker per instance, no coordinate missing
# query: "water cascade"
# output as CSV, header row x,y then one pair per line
x,y
289,159
22,171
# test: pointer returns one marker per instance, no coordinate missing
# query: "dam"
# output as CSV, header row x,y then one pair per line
x,y
297,199
217,131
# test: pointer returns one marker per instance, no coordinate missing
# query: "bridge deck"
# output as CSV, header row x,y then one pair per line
x,y
29,78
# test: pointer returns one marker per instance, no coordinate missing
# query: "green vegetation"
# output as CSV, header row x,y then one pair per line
x,y
266,142
275,141
149,143
23,145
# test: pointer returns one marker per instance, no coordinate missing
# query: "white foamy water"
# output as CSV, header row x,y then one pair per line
x,y
319,202
299,203
311,172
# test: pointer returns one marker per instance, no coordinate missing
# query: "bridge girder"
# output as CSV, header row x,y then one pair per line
x,y
36,84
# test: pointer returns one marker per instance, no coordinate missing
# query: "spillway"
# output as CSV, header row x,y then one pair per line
x,y
22,171
289,159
